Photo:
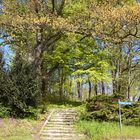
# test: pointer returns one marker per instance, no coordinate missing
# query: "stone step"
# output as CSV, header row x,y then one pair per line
x,y
65,113
64,116
59,128
58,131
64,110
61,134
61,119
59,123
64,138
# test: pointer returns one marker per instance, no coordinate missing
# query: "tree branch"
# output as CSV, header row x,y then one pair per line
x,y
52,39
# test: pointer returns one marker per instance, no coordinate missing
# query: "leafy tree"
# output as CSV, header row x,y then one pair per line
x,y
58,41
33,26
19,88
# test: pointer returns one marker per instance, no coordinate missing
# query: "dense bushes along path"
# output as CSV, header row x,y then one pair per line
x,y
59,126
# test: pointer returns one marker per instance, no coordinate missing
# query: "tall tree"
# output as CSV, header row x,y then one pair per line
x,y
34,27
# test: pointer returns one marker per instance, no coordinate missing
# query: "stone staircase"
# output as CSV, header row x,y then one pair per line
x,y
60,126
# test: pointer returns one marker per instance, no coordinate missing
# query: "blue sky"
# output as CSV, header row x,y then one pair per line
x,y
7,53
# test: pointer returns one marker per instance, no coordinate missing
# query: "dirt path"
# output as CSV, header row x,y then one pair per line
x,y
60,126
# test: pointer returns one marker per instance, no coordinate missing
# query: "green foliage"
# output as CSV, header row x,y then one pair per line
x,y
105,108
20,89
4,111
91,61
67,42
29,89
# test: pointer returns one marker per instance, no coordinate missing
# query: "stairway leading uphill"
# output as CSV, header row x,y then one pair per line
x,y
60,126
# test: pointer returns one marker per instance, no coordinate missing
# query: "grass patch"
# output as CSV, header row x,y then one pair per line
x,y
106,131
17,129
21,129
64,104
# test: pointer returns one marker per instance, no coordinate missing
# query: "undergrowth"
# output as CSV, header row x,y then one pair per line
x,y
106,131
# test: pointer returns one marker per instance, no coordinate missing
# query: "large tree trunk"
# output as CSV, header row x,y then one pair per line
x,y
90,88
35,59
129,78
38,60
79,90
61,84
119,78
96,90
117,73
35,55
103,88
114,82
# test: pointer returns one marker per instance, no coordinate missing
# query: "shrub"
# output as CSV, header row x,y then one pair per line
x,y
4,112
105,108
20,89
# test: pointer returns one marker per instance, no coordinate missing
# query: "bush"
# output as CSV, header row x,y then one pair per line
x,y
105,108
4,112
20,89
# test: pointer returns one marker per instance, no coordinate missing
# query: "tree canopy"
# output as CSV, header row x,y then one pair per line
x,y
64,47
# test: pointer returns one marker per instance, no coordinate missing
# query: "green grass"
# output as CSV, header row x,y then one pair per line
x,y
17,129
64,104
106,131
21,129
